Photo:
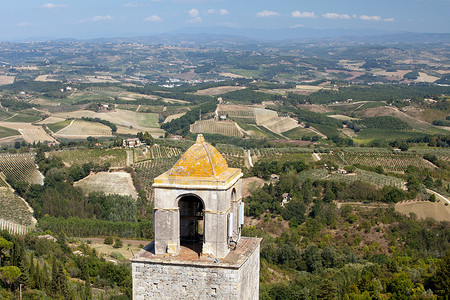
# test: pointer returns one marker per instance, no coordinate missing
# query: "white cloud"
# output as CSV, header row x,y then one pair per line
x,y
102,18
297,26
193,13
154,18
304,14
389,20
53,5
267,13
195,20
370,18
221,11
23,24
132,5
336,16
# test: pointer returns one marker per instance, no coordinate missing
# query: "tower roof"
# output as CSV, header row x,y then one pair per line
x,y
200,160
200,165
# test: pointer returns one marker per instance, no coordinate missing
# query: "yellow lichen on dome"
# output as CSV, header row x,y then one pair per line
x,y
200,160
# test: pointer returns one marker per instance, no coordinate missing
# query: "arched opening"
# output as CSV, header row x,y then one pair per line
x,y
191,222
233,195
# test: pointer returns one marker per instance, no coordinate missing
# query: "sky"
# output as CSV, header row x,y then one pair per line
x,y
85,19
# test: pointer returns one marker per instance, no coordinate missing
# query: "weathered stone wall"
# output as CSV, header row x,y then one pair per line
x,y
163,281
170,281
249,277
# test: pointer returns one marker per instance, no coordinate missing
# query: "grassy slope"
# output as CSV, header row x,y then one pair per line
x,y
5,132
55,127
20,117
298,133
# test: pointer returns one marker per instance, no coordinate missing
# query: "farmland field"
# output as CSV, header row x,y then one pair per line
x,y
155,151
21,167
6,79
109,183
30,133
376,179
55,127
148,170
20,117
13,208
210,126
389,162
253,130
425,209
5,132
126,118
116,157
84,128
219,90
271,120
173,117
298,132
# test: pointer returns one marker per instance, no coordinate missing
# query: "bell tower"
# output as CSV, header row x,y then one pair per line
x,y
198,248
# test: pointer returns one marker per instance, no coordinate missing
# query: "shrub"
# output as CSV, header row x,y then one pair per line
x,y
108,241
118,243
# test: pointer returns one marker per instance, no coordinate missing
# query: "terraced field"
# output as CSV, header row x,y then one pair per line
x,y
84,128
21,167
14,209
389,162
226,128
271,120
116,157
155,151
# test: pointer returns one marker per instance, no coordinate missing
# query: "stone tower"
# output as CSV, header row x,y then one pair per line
x,y
198,251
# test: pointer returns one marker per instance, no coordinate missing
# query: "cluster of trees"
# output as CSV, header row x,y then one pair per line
x,y
445,122
146,138
83,227
249,96
16,104
43,266
181,125
328,251
317,118
318,192
169,93
432,140
370,93
382,122
101,121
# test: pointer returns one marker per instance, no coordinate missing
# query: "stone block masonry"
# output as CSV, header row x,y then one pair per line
x,y
234,277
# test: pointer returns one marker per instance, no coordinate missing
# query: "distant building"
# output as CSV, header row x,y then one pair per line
x,y
132,142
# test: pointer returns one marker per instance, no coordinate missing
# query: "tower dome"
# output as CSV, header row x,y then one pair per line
x,y
200,160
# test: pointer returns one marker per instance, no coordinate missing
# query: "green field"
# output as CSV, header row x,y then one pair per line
x,y
5,132
245,73
116,157
368,134
55,127
4,115
255,131
20,117
298,132
148,120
